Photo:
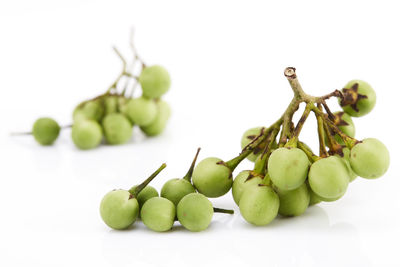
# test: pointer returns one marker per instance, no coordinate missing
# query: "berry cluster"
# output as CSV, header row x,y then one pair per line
x,y
287,176
113,114
119,209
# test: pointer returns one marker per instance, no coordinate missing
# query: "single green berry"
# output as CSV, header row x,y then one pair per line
x,y
248,137
370,158
142,111
45,131
155,81
293,202
329,177
212,177
288,168
117,128
158,214
86,134
259,205
244,180
90,110
119,209
314,198
144,195
358,98
176,189
159,123
195,212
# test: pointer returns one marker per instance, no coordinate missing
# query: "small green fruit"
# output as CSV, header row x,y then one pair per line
x,y
117,128
358,98
86,134
45,131
195,212
293,202
142,111
176,189
144,195
244,180
155,81
159,123
158,214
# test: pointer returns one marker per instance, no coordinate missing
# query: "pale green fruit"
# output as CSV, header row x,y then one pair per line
x,y
45,131
329,177
195,212
159,123
142,111
110,104
158,214
117,129
176,189
212,177
288,168
86,134
370,158
293,202
359,99
91,110
119,209
244,180
155,81
259,205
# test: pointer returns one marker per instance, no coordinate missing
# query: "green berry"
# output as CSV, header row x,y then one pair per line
x,y
86,134
141,111
329,177
259,205
195,212
158,214
155,81
293,202
117,128
119,209
144,195
212,177
314,198
370,158
249,136
45,131
91,110
288,168
358,98
123,105
159,123
176,189
244,180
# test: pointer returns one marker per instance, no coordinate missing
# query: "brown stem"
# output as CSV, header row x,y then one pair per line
x,y
321,136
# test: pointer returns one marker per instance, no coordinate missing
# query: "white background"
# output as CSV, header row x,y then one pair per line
x,y
226,60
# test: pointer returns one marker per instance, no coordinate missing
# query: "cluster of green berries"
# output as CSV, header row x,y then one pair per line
x,y
178,201
113,115
110,117
287,176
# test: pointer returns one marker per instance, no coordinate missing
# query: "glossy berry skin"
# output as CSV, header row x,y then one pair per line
x,y
244,180
329,177
212,177
45,131
259,205
370,158
118,209
359,98
176,189
117,129
86,134
155,81
158,124
147,193
141,111
293,202
195,212
247,137
158,214
288,168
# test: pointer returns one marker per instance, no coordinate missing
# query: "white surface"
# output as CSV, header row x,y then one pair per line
x,y
226,60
